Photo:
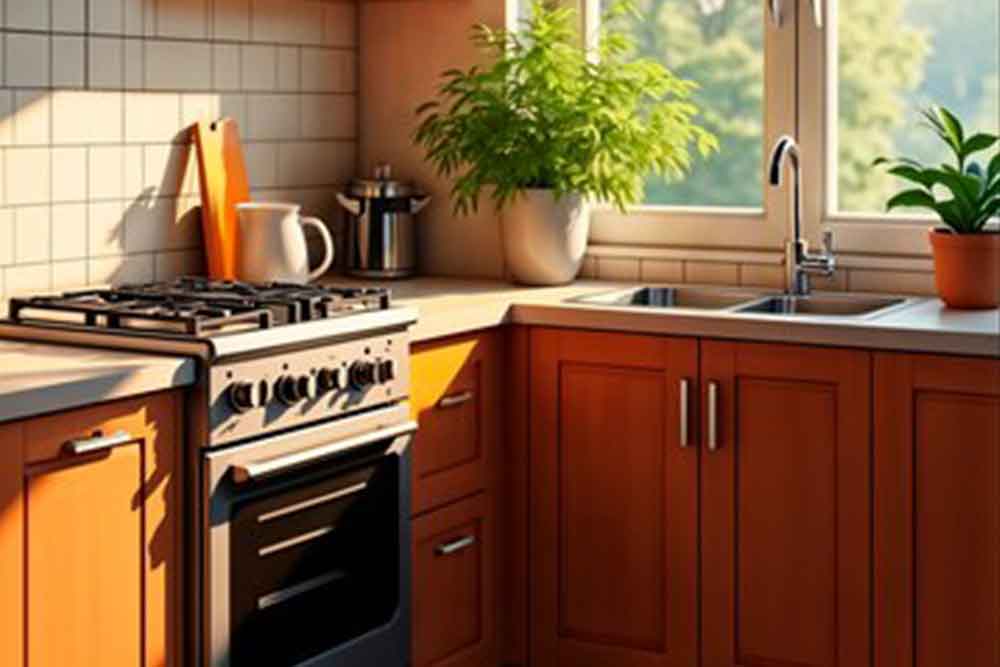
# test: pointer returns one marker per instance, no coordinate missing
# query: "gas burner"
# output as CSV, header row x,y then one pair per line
x,y
198,306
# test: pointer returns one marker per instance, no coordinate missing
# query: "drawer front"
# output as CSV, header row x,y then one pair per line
x,y
453,590
455,395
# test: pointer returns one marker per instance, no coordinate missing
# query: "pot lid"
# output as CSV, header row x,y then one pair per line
x,y
382,185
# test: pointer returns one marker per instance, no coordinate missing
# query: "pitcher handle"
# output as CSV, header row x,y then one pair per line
x,y
327,242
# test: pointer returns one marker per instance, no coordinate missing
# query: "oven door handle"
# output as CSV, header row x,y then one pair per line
x,y
255,470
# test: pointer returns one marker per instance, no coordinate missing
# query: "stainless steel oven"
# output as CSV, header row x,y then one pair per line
x,y
306,558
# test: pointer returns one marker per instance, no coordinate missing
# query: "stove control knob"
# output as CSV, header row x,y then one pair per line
x,y
386,371
290,389
241,396
361,375
328,379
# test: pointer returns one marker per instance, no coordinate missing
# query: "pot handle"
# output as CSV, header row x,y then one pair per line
x,y
418,203
353,206
327,242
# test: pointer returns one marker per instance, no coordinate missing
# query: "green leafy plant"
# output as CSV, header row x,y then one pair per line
x,y
550,113
964,195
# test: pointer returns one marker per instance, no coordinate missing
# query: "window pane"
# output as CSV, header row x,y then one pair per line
x,y
895,57
720,45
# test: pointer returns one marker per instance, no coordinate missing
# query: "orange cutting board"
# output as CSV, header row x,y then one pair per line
x,y
224,184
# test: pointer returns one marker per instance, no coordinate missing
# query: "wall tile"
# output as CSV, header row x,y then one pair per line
x,y
121,269
27,15
28,172
153,118
69,174
178,66
762,275
182,18
615,268
589,267
26,60
105,172
6,117
33,234
288,69
67,15
170,265
105,229
835,283
259,67
329,116
135,64
225,67
234,106
106,63
147,224
32,118
314,163
231,19
67,62
170,170
891,282
283,22
199,106
711,273
83,117
273,117
6,236
132,178
107,16
139,17
69,222
262,164
340,24
27,279
69,275
662,271
329,71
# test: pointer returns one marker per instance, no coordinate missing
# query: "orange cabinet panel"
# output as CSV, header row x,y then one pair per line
x,y
937,511
97,545
786,489
455,398
614,508
454,614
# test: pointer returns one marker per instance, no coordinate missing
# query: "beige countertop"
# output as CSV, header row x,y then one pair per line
x,y
36,379
449,306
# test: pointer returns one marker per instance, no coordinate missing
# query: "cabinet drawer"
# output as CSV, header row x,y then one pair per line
x,y
453,589
455,395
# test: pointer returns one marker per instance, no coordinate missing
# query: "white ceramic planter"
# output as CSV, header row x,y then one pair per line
x,y
545,239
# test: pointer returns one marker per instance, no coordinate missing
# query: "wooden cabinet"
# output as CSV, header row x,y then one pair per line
x,y
454,605
614,510
90,543
785,516
937,511
457,404
456,394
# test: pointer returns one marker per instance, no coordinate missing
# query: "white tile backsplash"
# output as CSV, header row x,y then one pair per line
x,y
98,175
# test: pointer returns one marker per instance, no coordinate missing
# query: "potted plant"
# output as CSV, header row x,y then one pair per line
x,y
550,125
965,196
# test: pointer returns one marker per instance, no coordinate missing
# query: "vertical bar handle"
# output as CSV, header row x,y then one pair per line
x,y
776,12
713,416
817,7
685,409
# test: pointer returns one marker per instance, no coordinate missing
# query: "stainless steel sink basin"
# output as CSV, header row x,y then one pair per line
x,y
701,298
822,305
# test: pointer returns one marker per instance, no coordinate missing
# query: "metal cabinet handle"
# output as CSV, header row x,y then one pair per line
x,y
713,416
817,7
684,407
97,443
776,12
456,400
456,546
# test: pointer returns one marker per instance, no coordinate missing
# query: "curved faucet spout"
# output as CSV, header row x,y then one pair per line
x,y
786,147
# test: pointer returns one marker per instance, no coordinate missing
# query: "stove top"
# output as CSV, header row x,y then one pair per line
x,y
198,307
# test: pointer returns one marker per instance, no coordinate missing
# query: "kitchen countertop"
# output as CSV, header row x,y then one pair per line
x,y
36,379
449,306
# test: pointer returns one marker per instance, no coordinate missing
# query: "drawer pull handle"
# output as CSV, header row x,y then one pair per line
x,y
713,416
97,443
456,400
456,546
685,409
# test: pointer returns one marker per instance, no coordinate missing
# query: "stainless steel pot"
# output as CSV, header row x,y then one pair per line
x,y
381,225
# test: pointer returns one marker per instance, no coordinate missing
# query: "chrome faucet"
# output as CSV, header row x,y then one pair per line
x,y
799,262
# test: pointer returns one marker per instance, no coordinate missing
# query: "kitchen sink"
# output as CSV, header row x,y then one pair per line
x,y
821,305
700,298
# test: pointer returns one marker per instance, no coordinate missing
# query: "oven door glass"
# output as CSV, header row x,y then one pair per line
x,y
314,560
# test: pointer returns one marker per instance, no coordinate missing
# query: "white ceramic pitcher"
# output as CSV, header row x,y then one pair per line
x,y
273,243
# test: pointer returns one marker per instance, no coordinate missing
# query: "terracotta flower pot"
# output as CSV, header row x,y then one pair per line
x,y
967,268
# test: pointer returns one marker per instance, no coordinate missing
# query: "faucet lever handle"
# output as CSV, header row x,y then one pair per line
x,y
828,241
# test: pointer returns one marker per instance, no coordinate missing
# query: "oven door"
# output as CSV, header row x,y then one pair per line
x,y
307,545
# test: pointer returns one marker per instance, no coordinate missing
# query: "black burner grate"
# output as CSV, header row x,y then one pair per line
x,y
198,306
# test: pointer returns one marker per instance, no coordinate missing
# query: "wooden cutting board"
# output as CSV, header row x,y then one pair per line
x,y
224,184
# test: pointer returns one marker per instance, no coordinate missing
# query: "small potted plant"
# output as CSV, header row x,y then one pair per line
x,y
965,196
550,125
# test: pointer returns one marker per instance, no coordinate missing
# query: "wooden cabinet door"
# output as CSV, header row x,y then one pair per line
x,y
455,398
99,546
786,496
454,608
937,511
614,516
